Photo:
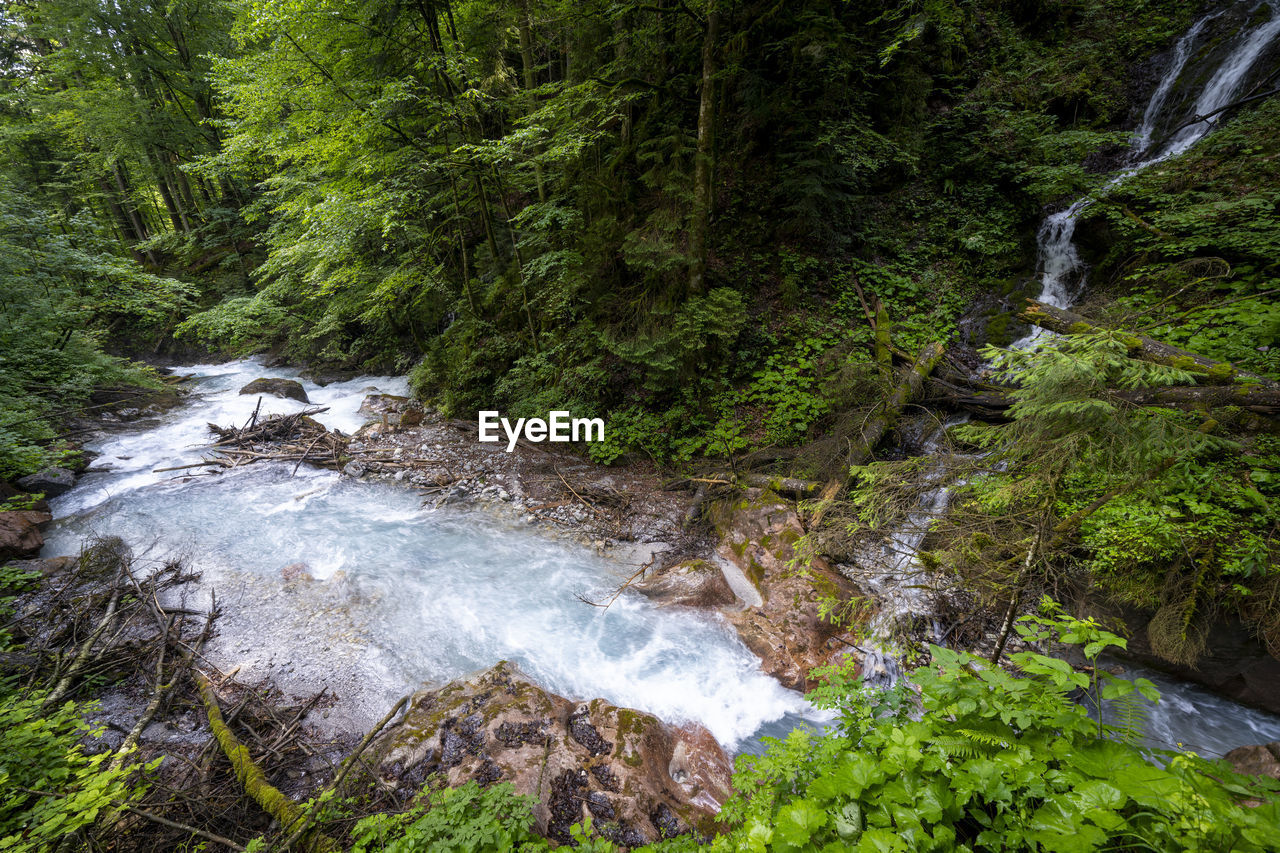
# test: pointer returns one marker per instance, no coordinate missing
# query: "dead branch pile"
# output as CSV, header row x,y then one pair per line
x,y
112,627
297,438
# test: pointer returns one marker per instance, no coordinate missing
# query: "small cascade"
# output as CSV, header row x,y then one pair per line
x,y
890,571
1063,274
1181,53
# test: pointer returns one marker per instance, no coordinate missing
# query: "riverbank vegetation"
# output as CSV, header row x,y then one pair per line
x,y
740,232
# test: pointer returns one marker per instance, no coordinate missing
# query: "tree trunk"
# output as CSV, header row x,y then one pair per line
x,y
884,336
1140,346
167,193
123,223
875,427
518,258
703,160
526,61
1262,399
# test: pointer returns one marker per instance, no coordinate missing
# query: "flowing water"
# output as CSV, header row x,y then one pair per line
x,y
403,596
1063,274
902,588
1188,717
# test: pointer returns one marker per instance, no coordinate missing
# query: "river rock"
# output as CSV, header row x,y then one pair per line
x,y
639,778
695,583
1260,760
20,536
393,409
757,533
284,388
296,572
51,481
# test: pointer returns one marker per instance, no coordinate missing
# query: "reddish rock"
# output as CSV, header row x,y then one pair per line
x,y
20,536
695,583
639,778
757,535
296,571
1260,760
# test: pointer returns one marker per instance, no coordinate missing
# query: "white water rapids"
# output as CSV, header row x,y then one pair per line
x,y
403,596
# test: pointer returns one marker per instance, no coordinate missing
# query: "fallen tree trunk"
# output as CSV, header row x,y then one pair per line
x,y
1140,346
878,424
1261,399
270,798
776,483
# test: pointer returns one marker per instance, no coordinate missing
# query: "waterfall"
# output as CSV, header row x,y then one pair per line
x,y
1062,272
891,571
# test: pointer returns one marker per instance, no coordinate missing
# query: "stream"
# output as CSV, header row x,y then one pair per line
x,y
403,596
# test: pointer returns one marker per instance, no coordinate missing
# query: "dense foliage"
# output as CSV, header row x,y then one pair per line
x,y
669,212
61,288
1084,491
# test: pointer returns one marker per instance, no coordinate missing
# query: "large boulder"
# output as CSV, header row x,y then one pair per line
x,y
694,583
284,388
639,778
20,536
757,535
1260,760
51,481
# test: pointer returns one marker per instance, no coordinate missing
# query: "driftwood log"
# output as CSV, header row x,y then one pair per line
x,y
270,798
875,427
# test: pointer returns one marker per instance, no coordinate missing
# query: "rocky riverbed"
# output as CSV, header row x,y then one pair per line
x,y
345,616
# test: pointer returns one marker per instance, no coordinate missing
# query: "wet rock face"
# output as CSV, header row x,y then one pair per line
x,y
283,388
52,482
638,778
20,536
1235,664
1260,760
694,583
757,534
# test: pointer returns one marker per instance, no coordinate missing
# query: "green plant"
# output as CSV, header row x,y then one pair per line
x,y
50,788
468,819
990,760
